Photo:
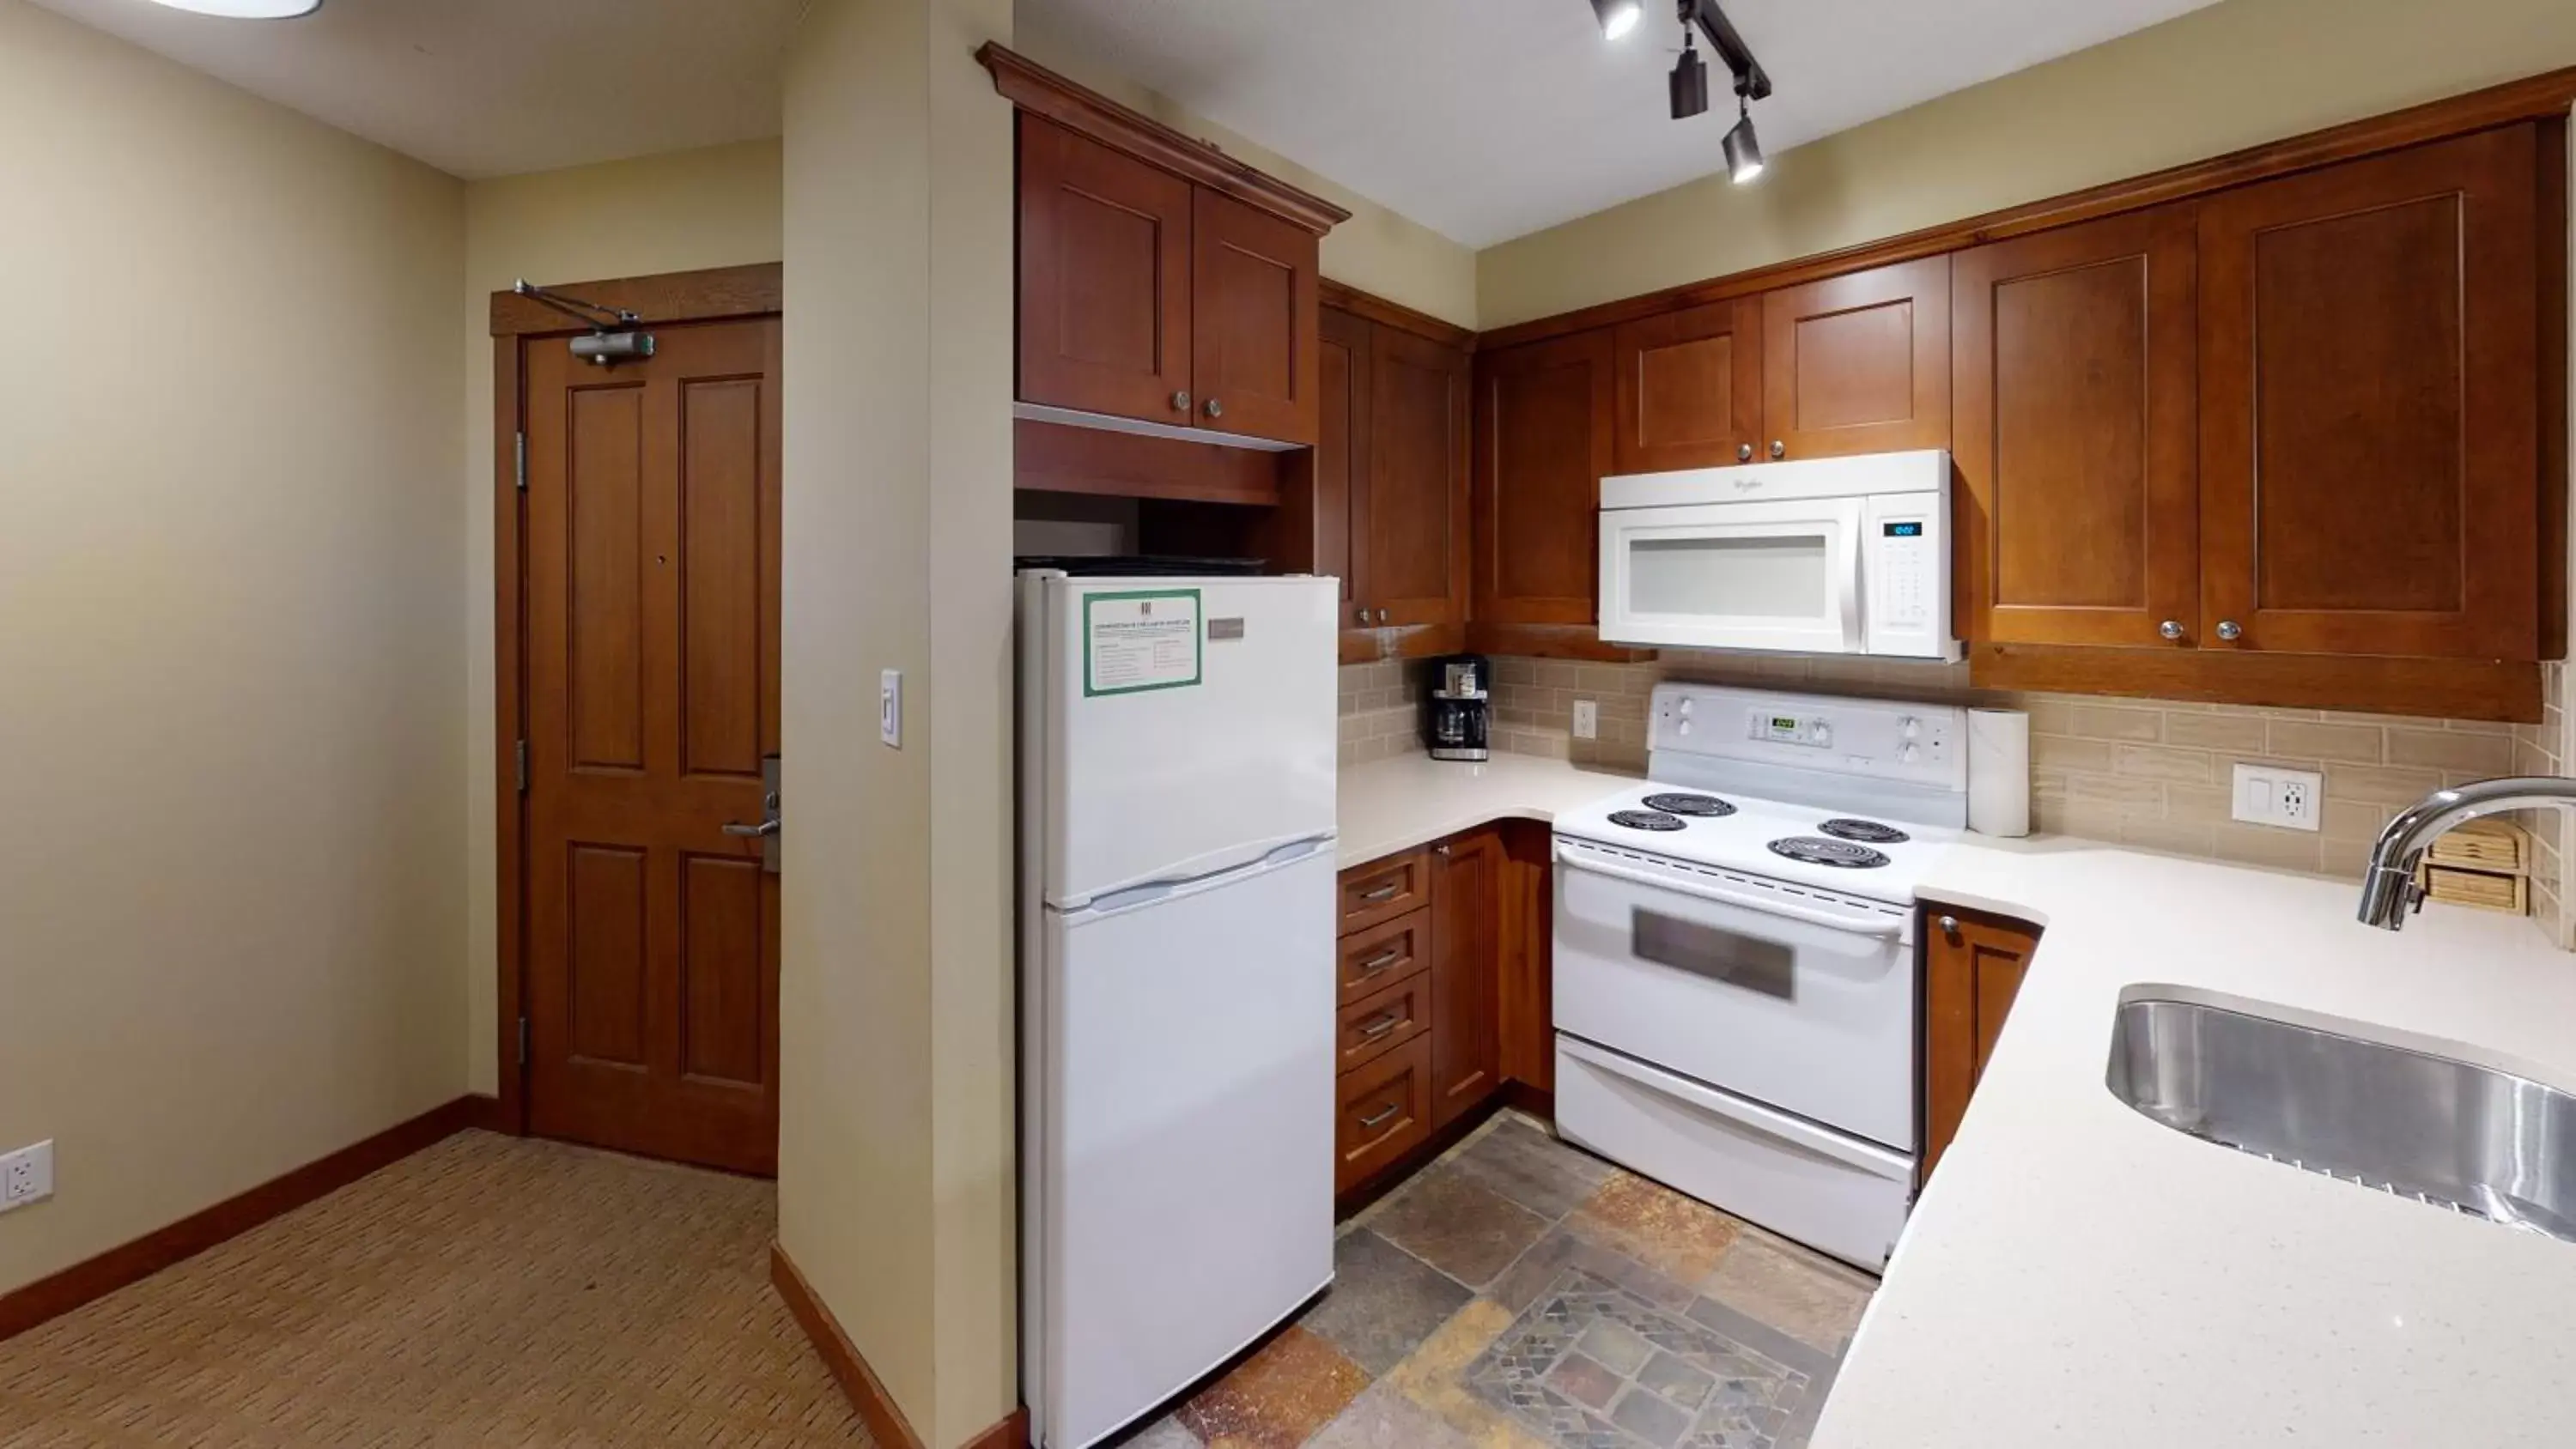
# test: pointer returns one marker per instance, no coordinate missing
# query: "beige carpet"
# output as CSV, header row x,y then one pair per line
x,y
488,1291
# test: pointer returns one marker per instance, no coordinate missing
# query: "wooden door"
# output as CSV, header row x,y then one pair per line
x,y
1340,456
1858,363
1972,969
1253,299
2369,434
2075,434
1689,388
1466,972
1409,539
652,592
1543,426
1104,278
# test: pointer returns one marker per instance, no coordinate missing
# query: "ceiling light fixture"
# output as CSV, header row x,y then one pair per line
x,y
1617,17
245,9
1743,149
1689,82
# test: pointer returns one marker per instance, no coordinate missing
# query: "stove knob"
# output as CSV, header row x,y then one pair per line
x,y
1911,727
1685,709
1908,755
1683,728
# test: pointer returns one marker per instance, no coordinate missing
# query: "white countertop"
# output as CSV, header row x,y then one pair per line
x,y
2077,1274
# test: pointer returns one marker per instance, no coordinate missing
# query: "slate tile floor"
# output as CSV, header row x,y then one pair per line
x,y
1522,1294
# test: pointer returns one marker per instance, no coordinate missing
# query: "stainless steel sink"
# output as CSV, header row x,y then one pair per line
x,y
2453,1134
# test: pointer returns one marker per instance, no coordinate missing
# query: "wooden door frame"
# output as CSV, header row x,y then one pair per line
x,y
715,295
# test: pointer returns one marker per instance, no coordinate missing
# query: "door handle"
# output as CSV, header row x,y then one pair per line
x,y
1381,961
1380,1025
766,832
1382,893
1382,1114
736,827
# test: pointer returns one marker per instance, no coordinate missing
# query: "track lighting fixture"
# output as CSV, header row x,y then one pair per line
x,y
1743,149
1689,82
1617,17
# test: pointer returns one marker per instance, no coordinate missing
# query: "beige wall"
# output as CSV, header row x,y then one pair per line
x,y
230,911
1377,250
717,207
2233,75
896,1151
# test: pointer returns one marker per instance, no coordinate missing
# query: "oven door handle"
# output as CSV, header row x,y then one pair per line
x,y
1850,925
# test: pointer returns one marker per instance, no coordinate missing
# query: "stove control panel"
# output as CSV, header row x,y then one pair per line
x,y
1812,730
1923,744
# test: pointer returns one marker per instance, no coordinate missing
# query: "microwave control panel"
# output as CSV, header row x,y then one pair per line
x,y
1905,600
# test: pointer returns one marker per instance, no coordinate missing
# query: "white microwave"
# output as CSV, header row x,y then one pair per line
x,y
1830,556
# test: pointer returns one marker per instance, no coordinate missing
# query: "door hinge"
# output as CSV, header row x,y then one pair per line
x,y
523,1041
519,458
521,752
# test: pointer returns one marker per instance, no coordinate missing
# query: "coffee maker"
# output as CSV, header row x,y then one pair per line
x,y
1455,717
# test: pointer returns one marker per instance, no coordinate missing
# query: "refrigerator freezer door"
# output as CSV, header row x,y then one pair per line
x,y
1205,756
1185,1074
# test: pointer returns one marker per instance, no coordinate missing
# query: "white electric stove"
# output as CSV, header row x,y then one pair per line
x,y
1735,994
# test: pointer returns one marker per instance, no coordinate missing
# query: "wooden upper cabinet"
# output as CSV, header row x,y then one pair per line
x,y
2074,434
1104,277
1252,305
1409,533
1543,443
1340,454
2369,428
1972,968
1858,363
1689,388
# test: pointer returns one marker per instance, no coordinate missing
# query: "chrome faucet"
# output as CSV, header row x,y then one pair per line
x,y
2388,888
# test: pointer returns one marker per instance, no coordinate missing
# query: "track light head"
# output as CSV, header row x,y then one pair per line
x,y
1617,17
1743,149
1689,83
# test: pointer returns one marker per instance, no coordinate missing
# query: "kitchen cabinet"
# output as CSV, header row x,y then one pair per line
x,y
1972,967
1466,922
1384,1114
1253,297
1542,446
1688,388
2075,435
1858,363
1389,501
2368,347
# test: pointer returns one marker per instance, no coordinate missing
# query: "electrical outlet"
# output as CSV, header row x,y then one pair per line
x,y
1587,719
2270,795
27,1175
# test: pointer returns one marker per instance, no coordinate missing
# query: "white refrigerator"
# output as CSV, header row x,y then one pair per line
x,y
1177,760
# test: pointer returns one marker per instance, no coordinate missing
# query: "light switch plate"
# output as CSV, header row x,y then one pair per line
x,y
2271,795
890,707
1587,719
27,1176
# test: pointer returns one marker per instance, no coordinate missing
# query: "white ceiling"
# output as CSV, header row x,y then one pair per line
x,y
495,87
1488,119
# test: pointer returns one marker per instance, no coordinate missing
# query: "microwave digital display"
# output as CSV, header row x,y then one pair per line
x,y
1913,529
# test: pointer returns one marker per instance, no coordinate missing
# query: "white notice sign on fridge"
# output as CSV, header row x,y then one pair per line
x,y
1140,639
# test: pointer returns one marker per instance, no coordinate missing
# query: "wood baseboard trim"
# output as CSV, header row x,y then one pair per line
x,y
1011,1433
94,1278
866,1392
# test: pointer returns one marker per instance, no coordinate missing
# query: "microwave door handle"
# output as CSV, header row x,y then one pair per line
x,y
1855,573
1710,891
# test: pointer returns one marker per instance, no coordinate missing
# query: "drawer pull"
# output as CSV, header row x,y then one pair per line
x,y
1381,1024
1389,1110
1384,892
1381,960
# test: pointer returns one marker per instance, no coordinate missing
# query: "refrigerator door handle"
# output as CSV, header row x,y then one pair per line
x,y
1151,891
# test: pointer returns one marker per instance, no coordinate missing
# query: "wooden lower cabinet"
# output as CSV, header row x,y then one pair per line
x,y
1466,921
1385,1113
1972,967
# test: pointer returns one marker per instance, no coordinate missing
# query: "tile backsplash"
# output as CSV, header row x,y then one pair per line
x,y
2151,773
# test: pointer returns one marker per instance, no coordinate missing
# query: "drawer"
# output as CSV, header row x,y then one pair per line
x,y
1378,1023
1385,1113
1376,957
1385,889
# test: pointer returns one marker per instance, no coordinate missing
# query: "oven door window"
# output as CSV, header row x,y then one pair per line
x,y
1737,960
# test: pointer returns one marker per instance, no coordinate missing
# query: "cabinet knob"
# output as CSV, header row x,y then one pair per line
x,y
1180,402
1950,927
1215,409
1744,452
2170,628
2230,630
1381,616
1439,850
1779,449
1363,613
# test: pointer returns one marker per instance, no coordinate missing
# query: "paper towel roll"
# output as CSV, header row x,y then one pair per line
x,y
1999,772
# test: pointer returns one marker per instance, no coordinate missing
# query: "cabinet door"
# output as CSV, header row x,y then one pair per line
x,y
1409,536
1972,968
2075,435
2369,434
1104,277
1689,388
1340,456
1543,424
1466,970
1253,319
1858,363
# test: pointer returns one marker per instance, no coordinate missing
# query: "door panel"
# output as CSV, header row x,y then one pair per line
x,y
1859,363
1466,972
2369,437
1972,969
652,694
1543,424
1341,455
1689,388
1253,299
1104,277
1412,537
2075,434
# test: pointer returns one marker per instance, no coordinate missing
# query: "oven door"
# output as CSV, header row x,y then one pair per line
x,y
1781,575
1792,997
